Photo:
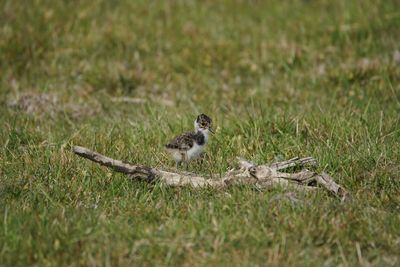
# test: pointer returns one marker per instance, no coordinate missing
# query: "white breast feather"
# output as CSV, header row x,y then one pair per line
x,y
191,154
194,152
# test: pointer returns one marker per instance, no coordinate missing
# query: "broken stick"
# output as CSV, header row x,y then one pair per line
x,y
263,176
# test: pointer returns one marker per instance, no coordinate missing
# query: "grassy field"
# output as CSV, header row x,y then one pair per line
x,y
279,78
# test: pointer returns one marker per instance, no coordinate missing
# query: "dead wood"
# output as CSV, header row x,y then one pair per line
x,y
248,173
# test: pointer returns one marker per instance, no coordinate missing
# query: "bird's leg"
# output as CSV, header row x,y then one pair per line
x,y
185,160
177,163
186,165
202,158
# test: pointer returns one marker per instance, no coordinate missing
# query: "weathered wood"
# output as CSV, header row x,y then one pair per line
x,y
117,165
146,173
292,163
326,181
262,176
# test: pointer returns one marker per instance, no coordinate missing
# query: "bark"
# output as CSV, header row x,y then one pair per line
x,y
247,173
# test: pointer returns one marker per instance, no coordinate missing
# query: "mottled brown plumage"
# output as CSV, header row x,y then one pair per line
x,y
186,141
190,145
182,142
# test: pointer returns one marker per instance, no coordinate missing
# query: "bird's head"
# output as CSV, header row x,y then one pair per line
x,y
203,123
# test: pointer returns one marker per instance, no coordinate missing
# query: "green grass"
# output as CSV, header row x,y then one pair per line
x,y
280,79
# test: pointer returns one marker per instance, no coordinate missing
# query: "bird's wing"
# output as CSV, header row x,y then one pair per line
x,y
182,142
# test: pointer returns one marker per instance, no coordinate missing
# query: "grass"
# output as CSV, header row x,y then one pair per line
x,y
280,79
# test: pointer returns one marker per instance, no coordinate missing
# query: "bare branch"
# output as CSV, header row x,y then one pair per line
x,y
116,165
292,163
146,173
326,181
262,176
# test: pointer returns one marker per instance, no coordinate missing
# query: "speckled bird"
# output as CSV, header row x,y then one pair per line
x,y
189,146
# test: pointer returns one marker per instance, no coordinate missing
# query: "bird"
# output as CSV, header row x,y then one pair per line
x,y
190,145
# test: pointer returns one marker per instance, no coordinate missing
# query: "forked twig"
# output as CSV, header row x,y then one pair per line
x,y
263,176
